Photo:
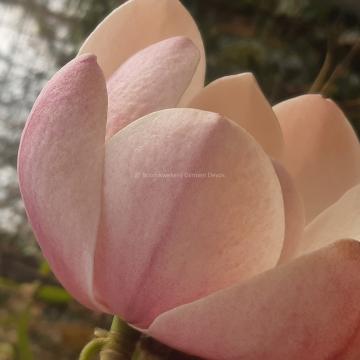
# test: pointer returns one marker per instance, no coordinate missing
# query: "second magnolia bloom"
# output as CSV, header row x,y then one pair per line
x,y
194,260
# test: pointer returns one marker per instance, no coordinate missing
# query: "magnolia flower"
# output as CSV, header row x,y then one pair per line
x,y
200,215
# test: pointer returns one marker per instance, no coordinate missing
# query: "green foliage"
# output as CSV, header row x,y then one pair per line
x,y
23,342
44,268
53,294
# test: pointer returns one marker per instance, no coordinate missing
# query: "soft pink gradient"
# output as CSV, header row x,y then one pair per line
x,y
198,214
239,98
294,214
138,87
306,309
60,164
321,150
137,24
182,225
341,219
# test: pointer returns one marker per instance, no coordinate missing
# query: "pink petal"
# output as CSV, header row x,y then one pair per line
x,y
321,150
171,240
294,213
60,171
240,99
151,80
306,309
137,24
340,220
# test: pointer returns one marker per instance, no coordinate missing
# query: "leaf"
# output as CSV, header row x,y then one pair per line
x,y
44,268
23,343
53,295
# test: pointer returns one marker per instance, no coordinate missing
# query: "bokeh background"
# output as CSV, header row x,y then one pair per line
x,y
292,46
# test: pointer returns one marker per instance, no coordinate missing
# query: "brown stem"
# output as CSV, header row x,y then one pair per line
x,y
340,68
323,73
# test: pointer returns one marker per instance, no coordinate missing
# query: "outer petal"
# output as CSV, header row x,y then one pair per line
x,y
294,213
192,203
321,150
342,219
240,99
137,24
151,80
308,309
60,168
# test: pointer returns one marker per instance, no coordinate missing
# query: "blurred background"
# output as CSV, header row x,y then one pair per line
x,y
292,46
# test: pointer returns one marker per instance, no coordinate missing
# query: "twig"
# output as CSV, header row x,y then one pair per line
x,y
340,68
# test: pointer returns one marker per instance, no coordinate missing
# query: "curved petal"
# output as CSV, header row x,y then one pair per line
x,y
321,150
294,213
60,167
239,98
137,24
306,309
340,220
153,79
192,203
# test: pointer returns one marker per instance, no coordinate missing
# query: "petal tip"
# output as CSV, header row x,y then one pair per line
x,y
249,75
87,58
183,43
